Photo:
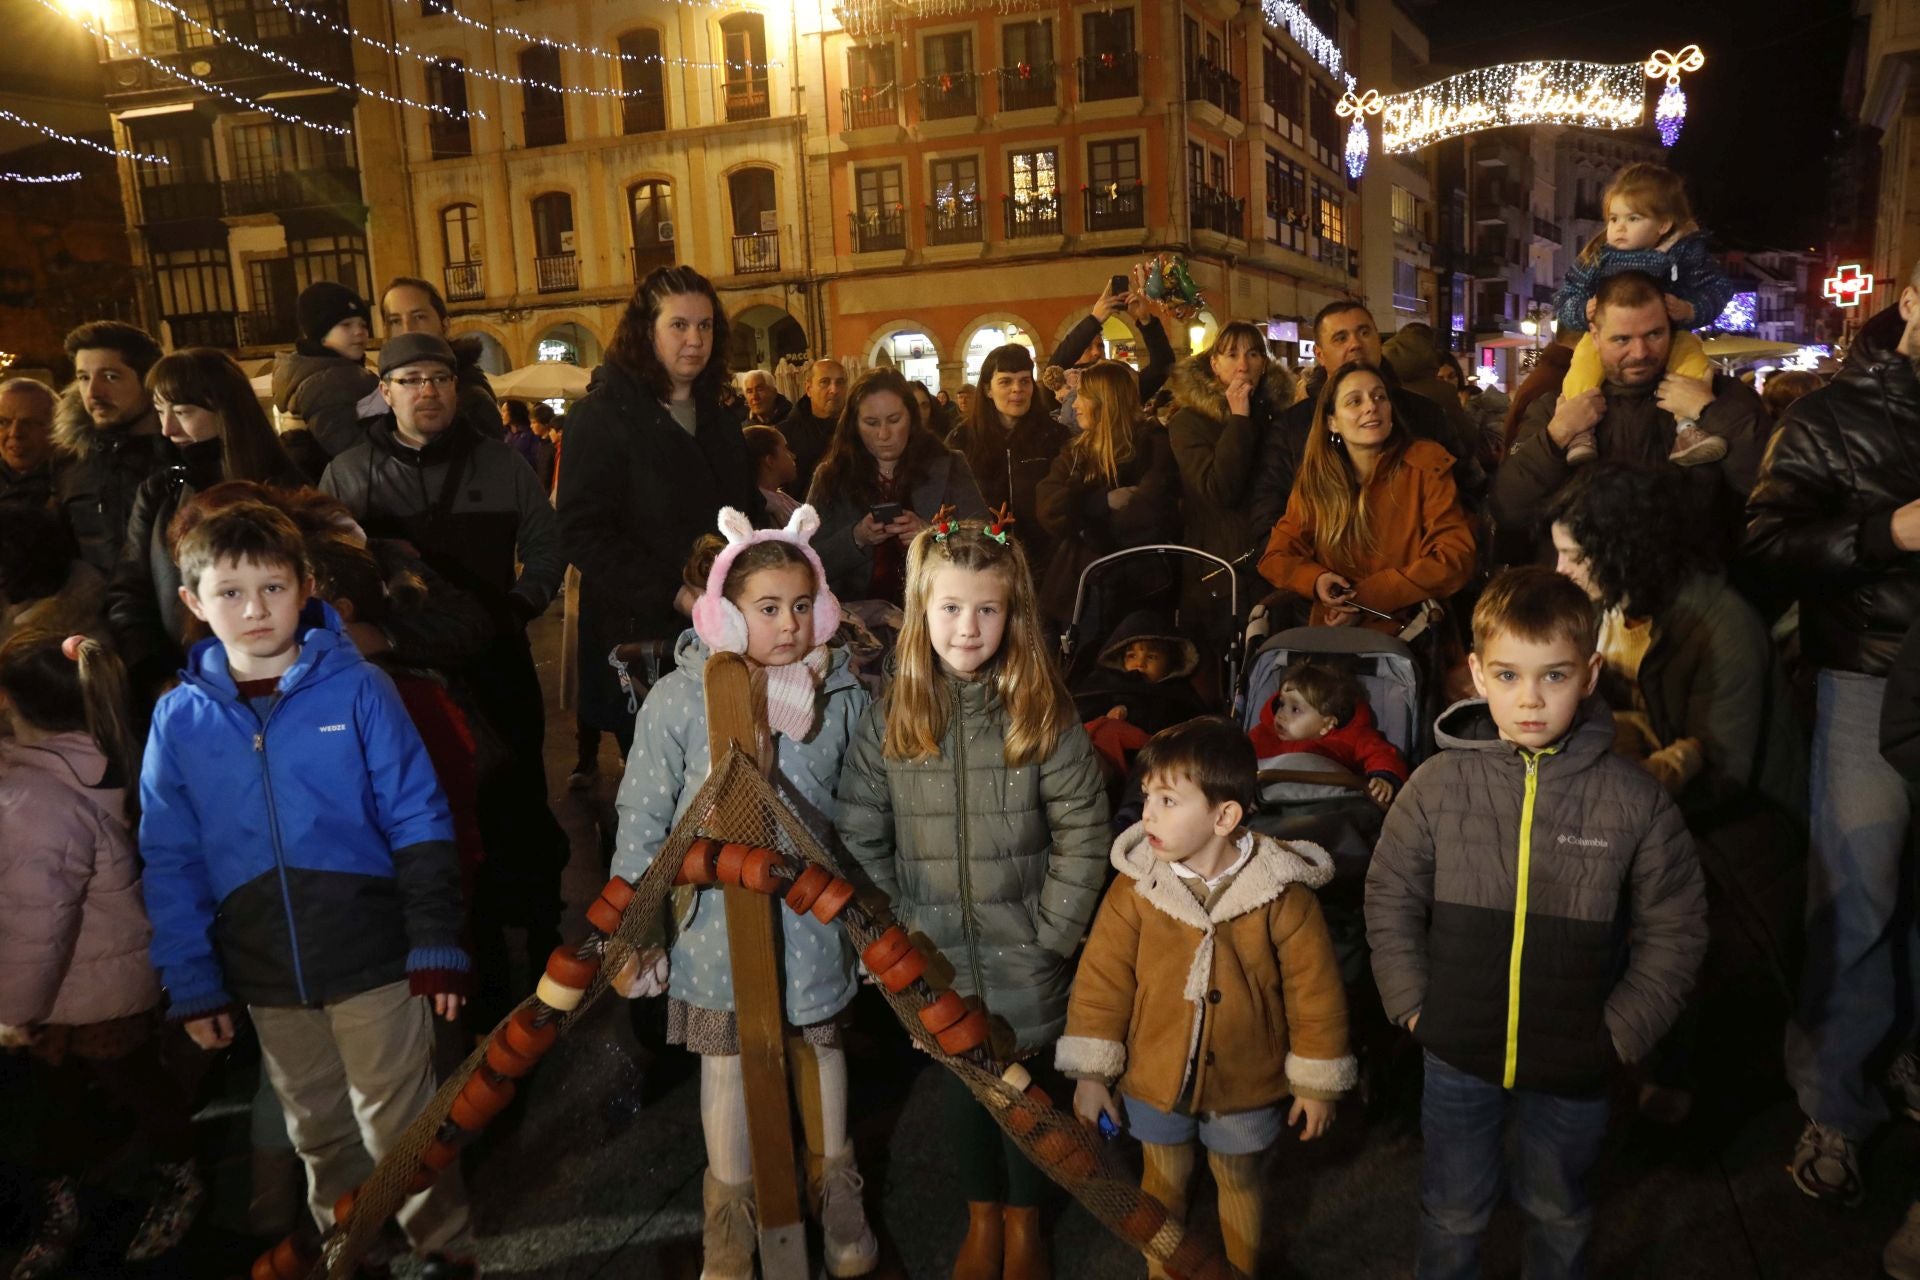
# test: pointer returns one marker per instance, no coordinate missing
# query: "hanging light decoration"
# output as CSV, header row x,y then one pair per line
x,y
1358,107
1671,112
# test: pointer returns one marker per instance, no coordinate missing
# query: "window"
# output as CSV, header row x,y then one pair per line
x,y
946,88
870,66
196,23
448,134
643,81
744,36
1324,126
159,35
1030,43
338,258
1330,224
871,98
555,268
262,150
1285,90
1026,72
1217,169
955,191
1287,202
951,53
1406,286
1196,166
193,282
1405,212
878,221
545,118
650,216
189,159
756,220
120,20
1114,196
1033,187
271,21
1107,31
1109,67
460,233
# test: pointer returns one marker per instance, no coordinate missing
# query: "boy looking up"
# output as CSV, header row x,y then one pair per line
x,y
1208,991
299,861
1537,916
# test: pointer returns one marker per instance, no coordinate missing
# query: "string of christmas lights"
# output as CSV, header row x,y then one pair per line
x,y
40,179
270,55
101,147
1317,44
586,50
238,100
1590,94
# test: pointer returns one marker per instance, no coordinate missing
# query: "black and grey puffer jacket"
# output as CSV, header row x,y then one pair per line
x,y
1541,911
1820,519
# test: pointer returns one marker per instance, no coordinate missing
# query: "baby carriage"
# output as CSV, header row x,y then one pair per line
x,y
1081,642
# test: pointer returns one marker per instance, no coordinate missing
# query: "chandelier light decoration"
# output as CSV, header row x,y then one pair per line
x,y
1671,111
1358,107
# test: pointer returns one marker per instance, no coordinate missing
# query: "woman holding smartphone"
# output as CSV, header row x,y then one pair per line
x,y
884,476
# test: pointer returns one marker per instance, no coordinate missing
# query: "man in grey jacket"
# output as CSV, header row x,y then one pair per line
x,y
474,509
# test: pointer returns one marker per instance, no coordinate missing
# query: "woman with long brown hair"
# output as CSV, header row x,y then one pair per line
x,y
883,477
1114,486
218,431
1374,518
1010,440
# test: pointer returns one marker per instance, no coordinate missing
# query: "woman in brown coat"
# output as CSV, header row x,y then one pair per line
x,y
1374,518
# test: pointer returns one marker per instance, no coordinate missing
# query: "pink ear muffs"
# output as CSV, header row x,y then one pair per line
x,y
719,622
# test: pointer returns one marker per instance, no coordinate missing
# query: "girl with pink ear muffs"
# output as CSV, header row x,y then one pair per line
x,y
767,599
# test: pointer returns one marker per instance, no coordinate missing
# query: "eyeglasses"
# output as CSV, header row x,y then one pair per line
x,y
438,381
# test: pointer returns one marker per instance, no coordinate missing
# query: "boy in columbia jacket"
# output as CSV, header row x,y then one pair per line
x,y
1208,990
1509,878
300,861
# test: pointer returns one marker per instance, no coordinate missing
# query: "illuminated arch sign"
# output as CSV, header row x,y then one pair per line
x,y
1596,95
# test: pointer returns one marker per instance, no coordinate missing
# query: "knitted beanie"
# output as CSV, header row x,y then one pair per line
x,y
324,304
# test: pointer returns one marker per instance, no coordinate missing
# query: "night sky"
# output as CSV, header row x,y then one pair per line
x,y
1763,113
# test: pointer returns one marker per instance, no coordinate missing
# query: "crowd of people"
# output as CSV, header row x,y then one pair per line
x,y
273,751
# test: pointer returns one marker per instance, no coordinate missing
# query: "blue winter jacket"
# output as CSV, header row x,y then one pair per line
x,y
299,860
1688,271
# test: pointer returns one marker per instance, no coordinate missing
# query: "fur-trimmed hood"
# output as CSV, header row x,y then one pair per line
x,y
1194,387
74,433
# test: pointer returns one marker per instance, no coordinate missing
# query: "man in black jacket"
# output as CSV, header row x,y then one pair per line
x,y
474,509
809,428
1344,332
1835,518
26,443
106,427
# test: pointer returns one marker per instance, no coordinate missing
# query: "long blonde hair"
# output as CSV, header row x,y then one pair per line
x,y
1650,190
1329,489
1107,406
919,702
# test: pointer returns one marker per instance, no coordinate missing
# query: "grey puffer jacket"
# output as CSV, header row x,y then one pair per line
x,y
1541,911
1001,868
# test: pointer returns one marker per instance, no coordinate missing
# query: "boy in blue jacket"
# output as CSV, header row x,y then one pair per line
x,y
300,861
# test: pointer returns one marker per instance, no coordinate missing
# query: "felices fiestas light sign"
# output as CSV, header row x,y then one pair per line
x,y
1594,95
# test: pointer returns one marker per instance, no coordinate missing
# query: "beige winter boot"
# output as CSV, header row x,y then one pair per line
x,y
849,1244
732,1230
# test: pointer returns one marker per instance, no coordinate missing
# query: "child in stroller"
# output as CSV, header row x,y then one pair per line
x,y
1143,683
1321,709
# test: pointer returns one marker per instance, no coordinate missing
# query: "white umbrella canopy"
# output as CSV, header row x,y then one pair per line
x,y
548,380
1741,348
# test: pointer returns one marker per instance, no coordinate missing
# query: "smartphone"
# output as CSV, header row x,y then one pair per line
x,y
885,512
1117,286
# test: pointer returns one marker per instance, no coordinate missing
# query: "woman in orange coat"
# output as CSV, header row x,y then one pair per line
x,y
1374,518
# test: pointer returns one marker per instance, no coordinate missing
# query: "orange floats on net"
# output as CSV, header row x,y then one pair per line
x,y
697,867
1144,1221
965,1035
833,900
508,1061
759,871
285,1261
943,1011
605,912
483,1097
343,1208
905,971
881,954
1068,1152
566,979
526,1036
807,886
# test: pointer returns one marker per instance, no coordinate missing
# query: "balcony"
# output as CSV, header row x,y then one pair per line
x,y
306,189
878,230
951,95
1331,253
644,113
207,329
1546,230
1208,81
872,106
1109,75
748,97
1587,211
756,254
1037,215
465,282
545,126
449,139
1116,206
957,222
268,329
180,201
556,273
1409,303
1028,86
1215,210
648,258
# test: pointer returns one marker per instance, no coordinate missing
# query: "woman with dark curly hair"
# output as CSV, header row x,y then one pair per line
x,y
884,476
1699,697
651,456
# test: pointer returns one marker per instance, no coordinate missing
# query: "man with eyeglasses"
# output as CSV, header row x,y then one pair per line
x,y
107,423
413,305
473,509
26,443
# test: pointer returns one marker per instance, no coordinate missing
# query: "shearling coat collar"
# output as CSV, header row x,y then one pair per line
x,y
1275,865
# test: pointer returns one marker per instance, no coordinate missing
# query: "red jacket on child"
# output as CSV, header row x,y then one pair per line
x,y
1356,745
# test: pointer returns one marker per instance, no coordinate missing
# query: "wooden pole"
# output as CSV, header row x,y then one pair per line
x,y
753,936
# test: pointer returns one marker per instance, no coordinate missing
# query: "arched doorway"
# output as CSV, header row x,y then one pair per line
x,y
912,352
762,335
493,356
568,343
995,333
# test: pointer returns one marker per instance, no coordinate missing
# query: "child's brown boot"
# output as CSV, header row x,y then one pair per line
x,y
1026,1247
981,1251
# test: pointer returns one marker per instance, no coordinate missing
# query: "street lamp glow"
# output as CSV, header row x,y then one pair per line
x,y
1530,326
86,10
